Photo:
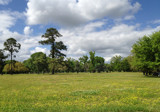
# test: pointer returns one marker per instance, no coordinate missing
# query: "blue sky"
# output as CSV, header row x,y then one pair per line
x,y
109,27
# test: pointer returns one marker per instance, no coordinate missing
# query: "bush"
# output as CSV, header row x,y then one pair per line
x,y
17,68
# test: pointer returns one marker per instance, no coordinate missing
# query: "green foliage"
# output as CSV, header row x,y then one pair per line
x,y
70,64
37,63
58,64
131,61
146,52
116,63
77,66
12,46
85,63
2,60
126,67
92,62
29,64
99,64
108,67
18,67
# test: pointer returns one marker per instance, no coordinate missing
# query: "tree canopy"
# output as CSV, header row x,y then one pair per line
x,y
37,63
146,52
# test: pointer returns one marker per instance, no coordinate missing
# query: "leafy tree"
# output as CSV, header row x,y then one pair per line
x,y
37,63
70,64
108,67
12,46
56,47
2,58
84,61
58,64
29,64
126,65
116,63
77,66
99,64
92,62
96,63
146,53
131,61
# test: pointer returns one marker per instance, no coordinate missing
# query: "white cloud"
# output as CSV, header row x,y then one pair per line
x,y
28,30
39,49
4,2
71,13
107,42
129,17
27,43
6,20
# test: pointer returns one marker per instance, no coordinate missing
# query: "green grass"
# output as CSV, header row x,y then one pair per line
x,y
83,92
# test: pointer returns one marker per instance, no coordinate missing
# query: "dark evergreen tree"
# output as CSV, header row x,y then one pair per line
x,y
56,47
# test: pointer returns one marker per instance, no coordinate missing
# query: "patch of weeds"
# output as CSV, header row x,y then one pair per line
x,y
85,92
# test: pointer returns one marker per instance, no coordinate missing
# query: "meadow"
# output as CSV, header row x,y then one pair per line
x,y
83,92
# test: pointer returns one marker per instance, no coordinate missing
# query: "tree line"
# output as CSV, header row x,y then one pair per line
x,y
41,63
144,57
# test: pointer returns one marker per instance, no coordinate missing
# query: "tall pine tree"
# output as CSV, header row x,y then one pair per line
x,y
56,47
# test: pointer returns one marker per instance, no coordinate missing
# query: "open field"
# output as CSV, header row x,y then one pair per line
x,y
83,92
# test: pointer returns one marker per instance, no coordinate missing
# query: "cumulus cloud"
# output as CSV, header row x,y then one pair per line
x,y
107,42
71,13
6,20
28,30
40,49
4,2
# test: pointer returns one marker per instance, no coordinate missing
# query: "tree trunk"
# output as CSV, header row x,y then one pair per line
x,y
53,50
11,65
52,71
144,73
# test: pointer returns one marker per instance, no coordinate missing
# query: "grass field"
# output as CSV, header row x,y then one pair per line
x,y
83,92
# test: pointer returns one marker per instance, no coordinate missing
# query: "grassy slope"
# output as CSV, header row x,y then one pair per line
x,y
117,92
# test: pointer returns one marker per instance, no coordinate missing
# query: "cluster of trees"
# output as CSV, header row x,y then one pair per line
x,y
145,57
50,36
118,63
17,67
40,63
